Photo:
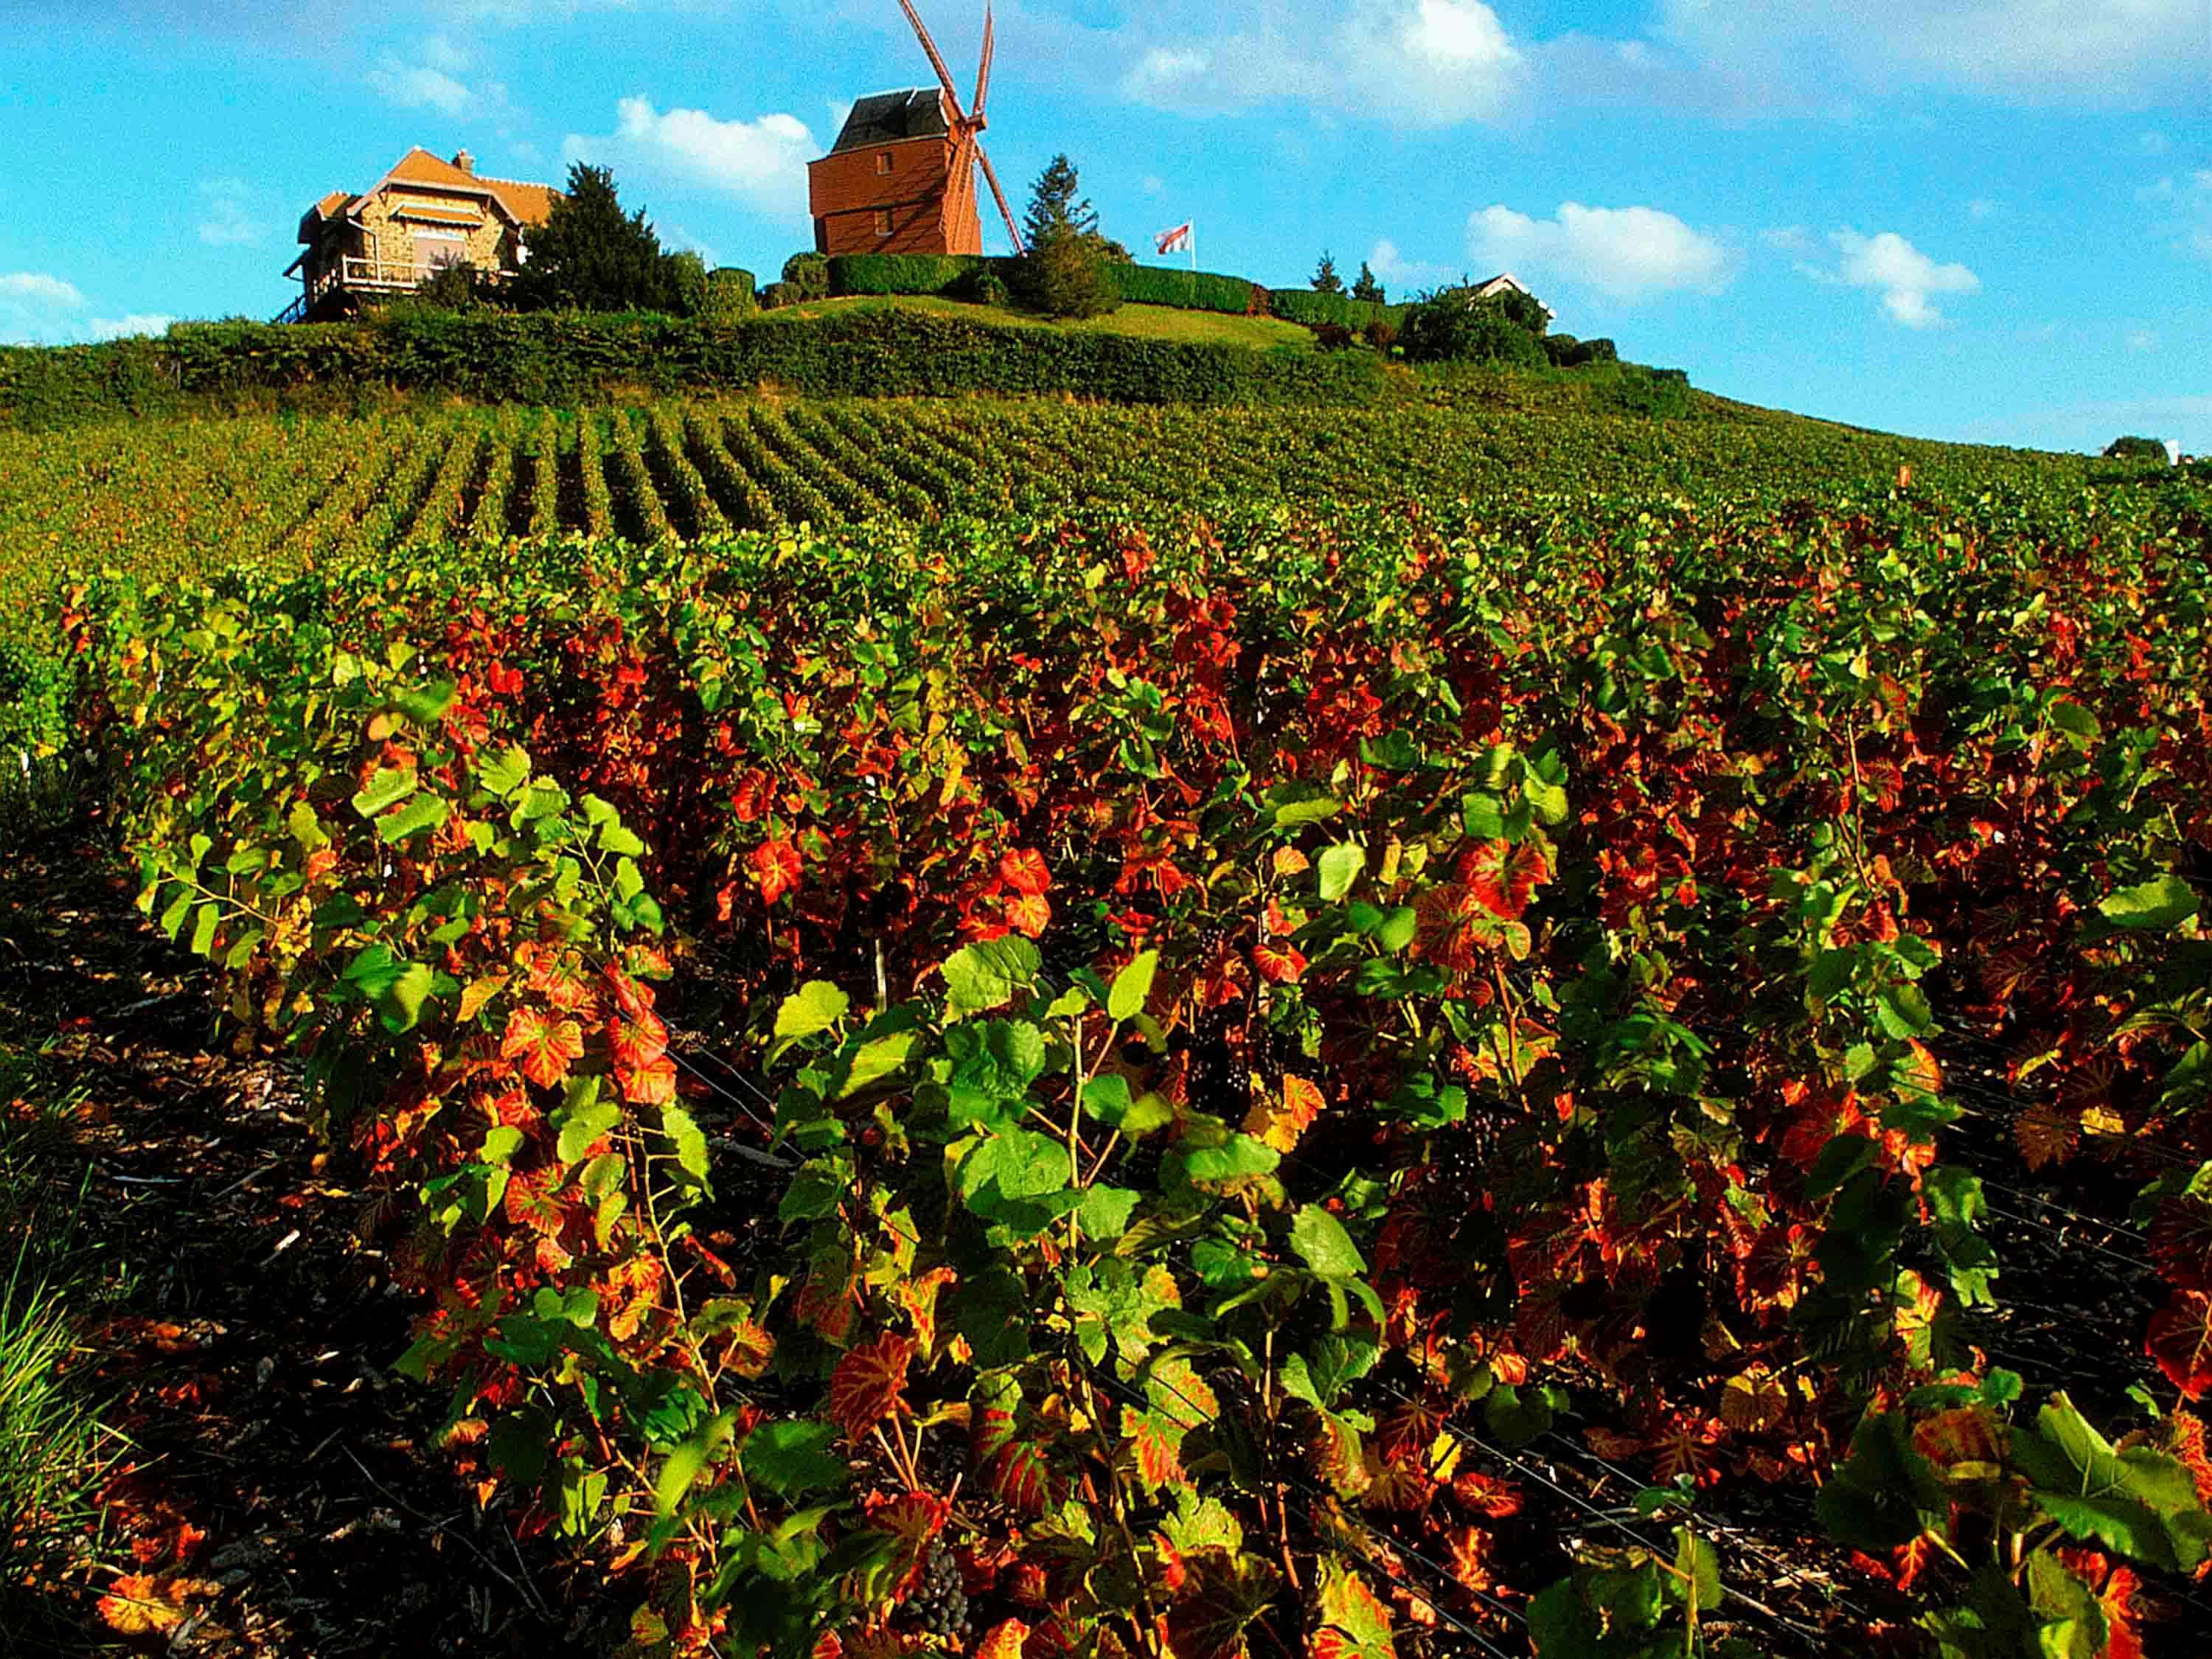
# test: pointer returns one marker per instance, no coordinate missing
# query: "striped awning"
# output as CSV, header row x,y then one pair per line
x,y
434,216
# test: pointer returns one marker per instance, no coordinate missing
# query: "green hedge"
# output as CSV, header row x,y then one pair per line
x,y
1306,305
1187,290
563,358
904,273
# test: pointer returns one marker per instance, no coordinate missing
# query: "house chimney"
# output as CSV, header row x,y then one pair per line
x,y
465,162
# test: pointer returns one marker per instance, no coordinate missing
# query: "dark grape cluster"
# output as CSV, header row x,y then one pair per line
x,y
940,1460
938,1604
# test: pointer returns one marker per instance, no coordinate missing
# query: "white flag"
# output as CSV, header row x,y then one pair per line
x,y
1176,241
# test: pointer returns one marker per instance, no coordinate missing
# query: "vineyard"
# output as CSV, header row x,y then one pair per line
x,y
170,497
1046,1030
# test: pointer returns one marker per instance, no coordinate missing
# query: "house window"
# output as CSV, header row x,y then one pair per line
x,y
883,222
882,161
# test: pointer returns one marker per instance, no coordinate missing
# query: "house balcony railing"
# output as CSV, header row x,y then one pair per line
x,y
356,276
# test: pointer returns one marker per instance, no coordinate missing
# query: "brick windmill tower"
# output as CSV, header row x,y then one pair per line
x,y
901,178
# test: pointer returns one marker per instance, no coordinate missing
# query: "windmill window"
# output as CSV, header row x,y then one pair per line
x,y
883,222
882,161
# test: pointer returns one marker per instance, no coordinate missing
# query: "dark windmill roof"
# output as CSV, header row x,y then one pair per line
x,y
886,117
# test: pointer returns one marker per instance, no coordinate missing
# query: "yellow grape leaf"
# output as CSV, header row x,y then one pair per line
x,y
480,993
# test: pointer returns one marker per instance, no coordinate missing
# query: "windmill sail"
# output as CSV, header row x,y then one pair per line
x,y
968,123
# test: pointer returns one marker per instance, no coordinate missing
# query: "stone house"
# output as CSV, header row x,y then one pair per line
x,y
425,214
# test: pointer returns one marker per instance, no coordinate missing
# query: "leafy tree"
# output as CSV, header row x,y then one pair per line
x,y
1453,326
1325,279
1364,287
1062,273
589,255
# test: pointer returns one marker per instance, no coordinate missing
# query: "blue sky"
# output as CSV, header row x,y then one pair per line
x,y
1977,219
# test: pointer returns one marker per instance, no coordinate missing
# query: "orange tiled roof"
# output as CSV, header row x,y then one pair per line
x,y
527,203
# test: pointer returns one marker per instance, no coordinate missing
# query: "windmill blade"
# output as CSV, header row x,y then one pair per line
x,y
960,177
936,59
983,73
1014,232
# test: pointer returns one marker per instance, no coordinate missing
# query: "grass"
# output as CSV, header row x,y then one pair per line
x,y
1143,322
53,1448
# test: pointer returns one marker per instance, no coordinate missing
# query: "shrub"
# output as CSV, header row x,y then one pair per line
x,y
984,286
1567,352
808,275
1334,336
1382,334
688,282
730,295
776,295
451,287
2136,449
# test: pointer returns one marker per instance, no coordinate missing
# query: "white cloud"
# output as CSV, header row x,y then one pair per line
x,y
1410,62
2185,220
2142,339
440,52
119,328
679,238
2153,144
39,289
2031,50
1905,277
229,222
1981,207
762,163
35,308
1153,185
1433,63
1403,276
1790,239
1627,253
420,86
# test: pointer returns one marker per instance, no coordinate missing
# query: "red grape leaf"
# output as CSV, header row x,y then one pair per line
x,y
866,1386
2181,1242
776,866
1155,1442
2180,1340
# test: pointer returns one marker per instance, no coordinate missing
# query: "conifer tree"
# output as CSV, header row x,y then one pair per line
x,y
1062,272
1325,279
591,256
1364,287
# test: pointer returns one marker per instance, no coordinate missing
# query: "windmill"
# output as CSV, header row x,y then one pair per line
x,y
901,178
